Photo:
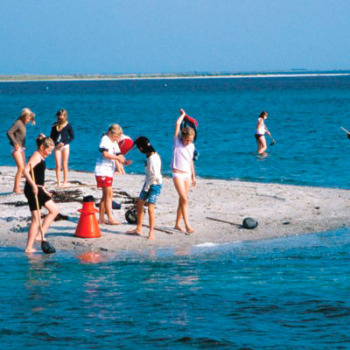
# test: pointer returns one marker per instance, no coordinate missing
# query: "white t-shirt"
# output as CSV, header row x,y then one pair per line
x,y
153,171
106,167
261,129
182,156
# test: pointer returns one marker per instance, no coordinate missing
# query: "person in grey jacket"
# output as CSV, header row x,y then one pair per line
x,y
17,137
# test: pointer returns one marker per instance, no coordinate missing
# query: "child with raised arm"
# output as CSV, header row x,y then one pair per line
x,y
36,162
108,155
17,137
151,188
62,134
183,170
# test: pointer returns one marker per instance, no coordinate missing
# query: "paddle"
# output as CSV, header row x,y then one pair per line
x,y
272,140
224,221
348,132
46,247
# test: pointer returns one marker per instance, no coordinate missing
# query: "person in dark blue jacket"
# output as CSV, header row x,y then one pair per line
x,y
62,134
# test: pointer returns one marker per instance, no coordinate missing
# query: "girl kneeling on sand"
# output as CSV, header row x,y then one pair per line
x,y
36,188
183,170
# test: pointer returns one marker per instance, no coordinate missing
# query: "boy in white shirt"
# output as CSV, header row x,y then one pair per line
x,y
151,188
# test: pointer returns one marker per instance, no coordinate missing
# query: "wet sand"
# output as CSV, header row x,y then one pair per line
x,y
280,210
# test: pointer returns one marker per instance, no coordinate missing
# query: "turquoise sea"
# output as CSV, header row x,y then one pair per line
x,y
289,293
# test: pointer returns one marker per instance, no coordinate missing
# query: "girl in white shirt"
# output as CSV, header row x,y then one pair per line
x,y
109,154
151,188
183,170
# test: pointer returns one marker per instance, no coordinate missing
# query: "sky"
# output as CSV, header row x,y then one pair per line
x,y
172,36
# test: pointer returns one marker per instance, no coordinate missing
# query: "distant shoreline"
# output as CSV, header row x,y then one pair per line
x,y
111,77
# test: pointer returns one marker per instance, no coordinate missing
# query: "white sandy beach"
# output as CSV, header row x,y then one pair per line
x,y
280,210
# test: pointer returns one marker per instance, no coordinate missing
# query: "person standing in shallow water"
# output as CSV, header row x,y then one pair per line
x,y
17,137
62,134
261,129
183,170
36,188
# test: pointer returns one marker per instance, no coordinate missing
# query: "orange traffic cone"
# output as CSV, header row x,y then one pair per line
x,y
88,225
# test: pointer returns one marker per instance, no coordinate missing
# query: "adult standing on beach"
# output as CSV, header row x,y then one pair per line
x,y
17,137
261,129
183,170
62,134
108,155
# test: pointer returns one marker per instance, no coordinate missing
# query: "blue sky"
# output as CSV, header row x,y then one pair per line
x,y
172,36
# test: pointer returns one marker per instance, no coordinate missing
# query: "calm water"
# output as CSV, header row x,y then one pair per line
x,y
305,115
279,294
290,293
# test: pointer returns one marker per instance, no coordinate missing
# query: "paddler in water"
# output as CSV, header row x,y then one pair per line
x,y
261,129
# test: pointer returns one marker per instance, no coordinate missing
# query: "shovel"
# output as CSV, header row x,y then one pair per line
x,y
46,247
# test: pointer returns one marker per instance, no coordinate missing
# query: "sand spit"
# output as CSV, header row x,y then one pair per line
x,y
281,210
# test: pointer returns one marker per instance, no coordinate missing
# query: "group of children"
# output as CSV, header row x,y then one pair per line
x,y
109,161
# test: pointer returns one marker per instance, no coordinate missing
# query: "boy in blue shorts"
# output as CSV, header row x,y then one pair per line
x,y
151,188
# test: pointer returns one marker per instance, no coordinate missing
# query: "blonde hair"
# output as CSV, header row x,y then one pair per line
x,y
188,131
115,129
26,112
64,113
45,141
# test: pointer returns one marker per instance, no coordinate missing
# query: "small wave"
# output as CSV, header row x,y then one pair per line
x,y
207,244
211,244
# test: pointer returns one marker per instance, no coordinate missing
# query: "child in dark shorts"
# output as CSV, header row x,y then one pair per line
x,y
32,188
151,188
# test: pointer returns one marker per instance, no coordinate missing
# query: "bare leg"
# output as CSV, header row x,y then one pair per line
x,y
52,207
152,220
138,229
65,158
102,209
178,218
182,188
58,159
108,206
20,160
262,147
33,230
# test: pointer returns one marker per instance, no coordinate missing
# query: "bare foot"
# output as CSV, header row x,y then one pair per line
x,y
189,229
151,238
113,222
18,191
101,222
134,232
64,184
179,228
31,250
